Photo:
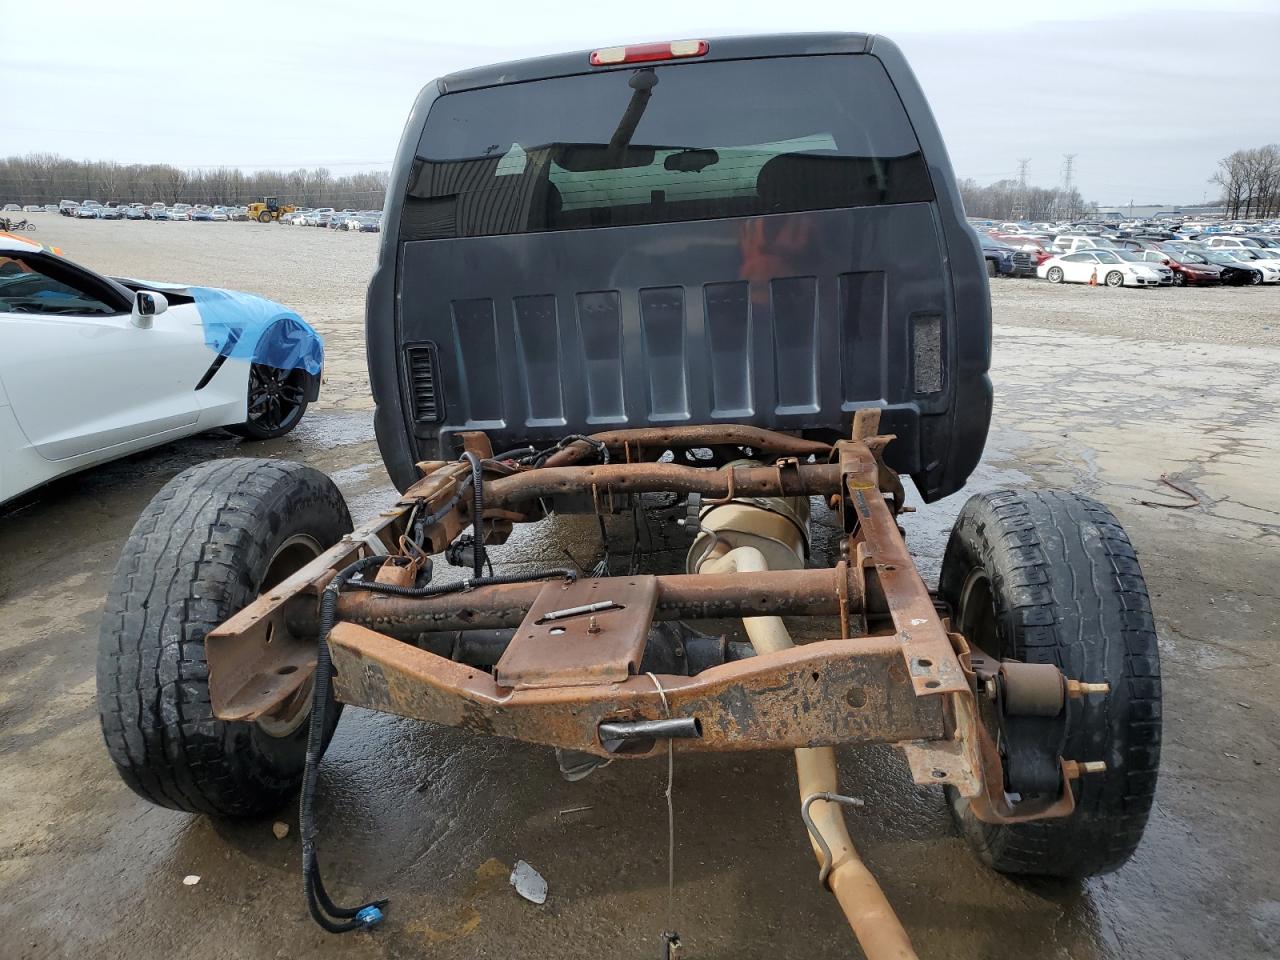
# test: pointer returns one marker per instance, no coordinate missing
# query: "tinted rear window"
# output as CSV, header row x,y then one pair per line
x,y
666,143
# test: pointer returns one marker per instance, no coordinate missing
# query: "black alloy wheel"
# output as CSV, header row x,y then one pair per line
x,y
277,400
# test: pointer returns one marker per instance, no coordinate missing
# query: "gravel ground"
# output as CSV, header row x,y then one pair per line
x,y
434,817
1243,316
322,274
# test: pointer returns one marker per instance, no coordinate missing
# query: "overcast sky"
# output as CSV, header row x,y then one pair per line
x,y
1148,95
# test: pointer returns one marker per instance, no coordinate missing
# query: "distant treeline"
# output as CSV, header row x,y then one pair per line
x,y
1009,200
1250,181
49,178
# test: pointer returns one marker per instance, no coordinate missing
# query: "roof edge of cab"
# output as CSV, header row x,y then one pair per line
x,y
720,48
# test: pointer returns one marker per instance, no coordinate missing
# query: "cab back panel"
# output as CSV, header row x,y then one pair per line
x,y
788,321
510,297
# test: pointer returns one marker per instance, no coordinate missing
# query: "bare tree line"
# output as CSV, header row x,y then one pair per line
x,y
49,178
1010,200
1250,182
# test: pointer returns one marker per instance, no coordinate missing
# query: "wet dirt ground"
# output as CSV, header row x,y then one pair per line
x,y
434,818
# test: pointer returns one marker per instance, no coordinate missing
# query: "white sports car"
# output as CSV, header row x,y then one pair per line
x,y
1115,268
93,368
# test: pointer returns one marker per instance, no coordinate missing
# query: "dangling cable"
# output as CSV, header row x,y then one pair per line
x,y
324,911
477,491
322,908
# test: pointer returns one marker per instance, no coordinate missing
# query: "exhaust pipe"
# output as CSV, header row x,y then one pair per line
x,y
874,923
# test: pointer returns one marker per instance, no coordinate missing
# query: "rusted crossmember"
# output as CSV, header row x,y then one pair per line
x,y
828,692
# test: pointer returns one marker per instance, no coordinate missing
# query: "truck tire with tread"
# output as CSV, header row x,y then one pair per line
x,y
1063,586
207,544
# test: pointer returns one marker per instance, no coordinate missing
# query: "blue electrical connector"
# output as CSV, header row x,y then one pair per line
x,y
369,916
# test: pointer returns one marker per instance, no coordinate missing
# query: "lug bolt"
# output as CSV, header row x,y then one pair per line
x,y
593,625
1077,768
1078,688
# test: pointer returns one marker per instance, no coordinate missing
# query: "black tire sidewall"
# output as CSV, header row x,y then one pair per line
x,y
231,516
1100,630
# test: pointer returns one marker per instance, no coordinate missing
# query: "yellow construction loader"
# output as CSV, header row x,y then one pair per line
x,y
269,209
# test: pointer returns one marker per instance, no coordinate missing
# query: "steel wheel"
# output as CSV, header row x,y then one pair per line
x,y
277,400
290,557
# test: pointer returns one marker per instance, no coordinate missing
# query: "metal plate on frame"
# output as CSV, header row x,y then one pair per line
x,y
576,634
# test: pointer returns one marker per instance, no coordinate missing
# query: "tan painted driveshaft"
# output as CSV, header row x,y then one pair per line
x,y
874,922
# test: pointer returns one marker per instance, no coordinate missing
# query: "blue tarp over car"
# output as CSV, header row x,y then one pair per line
x,y
247,327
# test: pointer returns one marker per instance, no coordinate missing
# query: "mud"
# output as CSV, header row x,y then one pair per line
x,y
434,818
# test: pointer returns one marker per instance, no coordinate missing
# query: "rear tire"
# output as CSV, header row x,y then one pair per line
x,y
991,268
213,538
1063,586
1054,275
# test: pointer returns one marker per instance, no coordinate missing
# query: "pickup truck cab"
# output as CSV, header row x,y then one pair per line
x,y
750,230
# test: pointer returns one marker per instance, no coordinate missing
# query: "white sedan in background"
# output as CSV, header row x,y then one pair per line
x,y
1110,267
1266,260
94,368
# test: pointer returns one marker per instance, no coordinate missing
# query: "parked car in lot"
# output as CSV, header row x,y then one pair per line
x,y
203,215
149,363
1189,269
1070,243
51,208
1230,243
110,213
160,214
999,256
1234,272
1103,266
11,208
86,213
135,213
1257,259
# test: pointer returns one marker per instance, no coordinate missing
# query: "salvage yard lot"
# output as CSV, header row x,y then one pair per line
x,y
1098,390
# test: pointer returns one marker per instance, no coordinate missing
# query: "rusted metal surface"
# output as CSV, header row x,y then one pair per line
x,y
880,550
912,687
650,442
570,637
680,597
806,480
828,692
256,662
474,441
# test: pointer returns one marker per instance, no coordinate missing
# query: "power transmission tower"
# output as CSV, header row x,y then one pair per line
x,y
1020,202
1068,163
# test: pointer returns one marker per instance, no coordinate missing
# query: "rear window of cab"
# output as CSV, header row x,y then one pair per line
x,y
665,143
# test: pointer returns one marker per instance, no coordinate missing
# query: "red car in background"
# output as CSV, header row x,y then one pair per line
x,y
1189,268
